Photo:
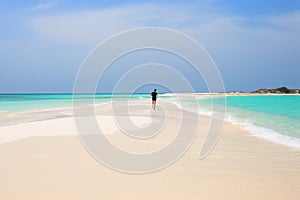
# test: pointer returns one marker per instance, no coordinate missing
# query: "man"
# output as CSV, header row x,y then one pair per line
x,y
154,97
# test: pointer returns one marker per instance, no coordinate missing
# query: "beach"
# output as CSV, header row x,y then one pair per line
x,y
45,159
150,100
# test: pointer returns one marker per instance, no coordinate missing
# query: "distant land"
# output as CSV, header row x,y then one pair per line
x,y
280,90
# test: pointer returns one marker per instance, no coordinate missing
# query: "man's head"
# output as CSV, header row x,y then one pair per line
x,y
154,90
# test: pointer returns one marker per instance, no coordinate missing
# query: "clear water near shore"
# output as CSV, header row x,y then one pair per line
x,y
11,103
275,118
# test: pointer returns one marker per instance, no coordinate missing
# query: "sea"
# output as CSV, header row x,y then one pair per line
x,y
272,117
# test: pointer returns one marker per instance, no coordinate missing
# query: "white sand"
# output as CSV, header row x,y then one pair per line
x,y
58,127
52,164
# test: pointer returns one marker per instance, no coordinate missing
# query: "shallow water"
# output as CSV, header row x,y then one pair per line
x,y
273,117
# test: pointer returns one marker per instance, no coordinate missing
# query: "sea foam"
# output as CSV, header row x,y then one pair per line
x,y
242,118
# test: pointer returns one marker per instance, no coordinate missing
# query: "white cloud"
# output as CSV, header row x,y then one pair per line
x,y
41,6
233,40
287,20
201,21
90,27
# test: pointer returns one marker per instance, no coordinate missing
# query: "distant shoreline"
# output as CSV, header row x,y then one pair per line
x,y
276,91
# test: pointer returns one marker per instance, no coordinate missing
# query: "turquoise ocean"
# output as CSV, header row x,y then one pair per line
x,y
272,117
12,103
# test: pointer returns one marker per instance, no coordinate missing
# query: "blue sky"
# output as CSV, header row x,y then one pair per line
x,y
254,43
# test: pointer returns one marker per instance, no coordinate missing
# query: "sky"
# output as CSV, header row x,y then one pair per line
x,y
254,43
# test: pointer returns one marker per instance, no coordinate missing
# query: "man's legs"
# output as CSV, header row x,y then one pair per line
x,y
153,104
